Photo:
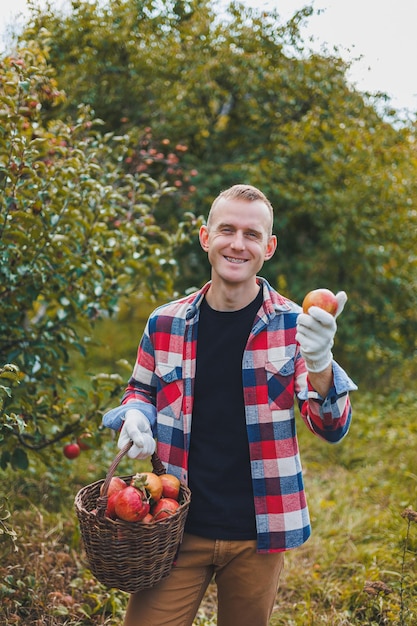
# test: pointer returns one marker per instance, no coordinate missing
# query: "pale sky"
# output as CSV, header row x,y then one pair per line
x,y
381,32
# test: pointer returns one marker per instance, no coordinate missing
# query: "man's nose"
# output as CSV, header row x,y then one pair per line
x,y
238,241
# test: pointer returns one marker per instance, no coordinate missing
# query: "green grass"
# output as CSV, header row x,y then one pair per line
x,y
357,491
360,545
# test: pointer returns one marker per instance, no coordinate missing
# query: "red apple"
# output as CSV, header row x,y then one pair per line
x,y
150,482
130,506
111,509
84,441
323,298
170,486
71,450
116,484
165,507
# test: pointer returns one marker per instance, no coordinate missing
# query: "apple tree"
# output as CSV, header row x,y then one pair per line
x,y
78,234
252,103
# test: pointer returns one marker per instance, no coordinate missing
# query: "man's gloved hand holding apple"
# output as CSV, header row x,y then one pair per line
x,y
315,334
136,428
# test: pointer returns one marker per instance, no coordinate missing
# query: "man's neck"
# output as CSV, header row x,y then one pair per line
x,y
222,297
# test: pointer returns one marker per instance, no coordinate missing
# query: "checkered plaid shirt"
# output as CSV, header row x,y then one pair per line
x,y
273,373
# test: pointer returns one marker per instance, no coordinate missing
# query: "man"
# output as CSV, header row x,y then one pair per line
x,y
215,381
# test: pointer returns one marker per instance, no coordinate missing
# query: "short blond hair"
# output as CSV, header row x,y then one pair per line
x,y
242,192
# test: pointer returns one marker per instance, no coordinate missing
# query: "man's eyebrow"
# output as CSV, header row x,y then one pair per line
x,y
225,225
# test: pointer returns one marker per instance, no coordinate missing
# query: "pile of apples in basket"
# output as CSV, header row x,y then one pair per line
x,y
146,498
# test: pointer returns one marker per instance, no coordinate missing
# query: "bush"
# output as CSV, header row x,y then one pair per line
x,y
78,234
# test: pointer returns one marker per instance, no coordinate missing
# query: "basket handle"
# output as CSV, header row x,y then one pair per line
x,y
157,466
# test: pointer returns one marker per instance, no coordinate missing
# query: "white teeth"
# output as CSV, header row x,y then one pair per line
x,y
233,260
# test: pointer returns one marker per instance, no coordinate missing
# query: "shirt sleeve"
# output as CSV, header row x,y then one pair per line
x,y
329,418
141,389
114,417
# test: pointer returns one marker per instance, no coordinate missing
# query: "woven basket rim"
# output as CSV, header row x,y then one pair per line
x,y
80,505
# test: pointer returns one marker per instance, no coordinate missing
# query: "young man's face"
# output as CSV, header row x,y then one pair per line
x,y
238,240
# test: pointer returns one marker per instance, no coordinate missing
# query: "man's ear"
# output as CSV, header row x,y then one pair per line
x,y
271,247
203,236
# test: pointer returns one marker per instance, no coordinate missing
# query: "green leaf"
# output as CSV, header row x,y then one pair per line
x,y
19,459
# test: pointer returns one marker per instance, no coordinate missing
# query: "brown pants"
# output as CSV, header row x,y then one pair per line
x,y
247,584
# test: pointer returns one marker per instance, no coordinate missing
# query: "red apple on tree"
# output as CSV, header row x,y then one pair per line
x,y
323,298
83,441
71,450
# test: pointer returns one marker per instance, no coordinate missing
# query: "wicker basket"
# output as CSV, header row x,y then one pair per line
x,y
129,556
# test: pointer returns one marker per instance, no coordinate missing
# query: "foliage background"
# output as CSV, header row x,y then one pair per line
x,y
250,102
119,124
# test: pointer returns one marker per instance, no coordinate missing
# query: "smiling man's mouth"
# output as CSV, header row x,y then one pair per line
x,y
232,259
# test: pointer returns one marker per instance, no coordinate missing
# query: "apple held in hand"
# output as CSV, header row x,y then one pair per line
x,y
323,298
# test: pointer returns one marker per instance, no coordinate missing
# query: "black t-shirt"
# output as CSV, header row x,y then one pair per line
x,y
219,465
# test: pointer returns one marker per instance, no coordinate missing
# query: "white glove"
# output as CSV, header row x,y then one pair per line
x,y
136,428
315,334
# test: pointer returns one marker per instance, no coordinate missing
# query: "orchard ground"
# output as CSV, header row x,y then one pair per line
x,y
358,567
357,492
